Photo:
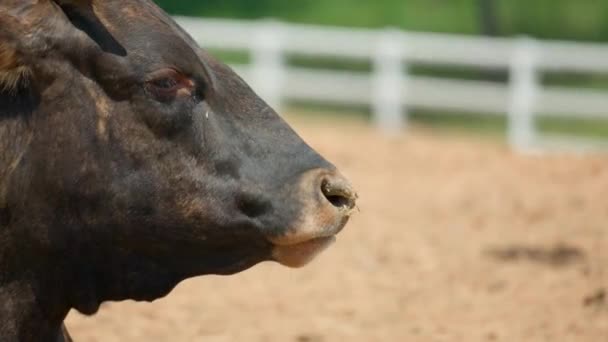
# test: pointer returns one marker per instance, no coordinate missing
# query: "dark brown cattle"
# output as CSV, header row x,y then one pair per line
x,y
131,160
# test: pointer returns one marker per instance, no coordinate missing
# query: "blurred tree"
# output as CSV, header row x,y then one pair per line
x,y
488,17
556,19
227,8
562,19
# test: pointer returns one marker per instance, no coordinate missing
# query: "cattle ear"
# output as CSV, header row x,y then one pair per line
x,y
13,69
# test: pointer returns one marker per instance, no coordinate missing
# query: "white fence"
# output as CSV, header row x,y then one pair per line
x,y
390,91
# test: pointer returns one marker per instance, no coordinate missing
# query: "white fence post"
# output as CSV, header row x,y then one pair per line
x,y
524,85
268,62
389,82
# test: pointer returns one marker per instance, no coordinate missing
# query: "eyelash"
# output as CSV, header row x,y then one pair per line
x,y
165,86
165,83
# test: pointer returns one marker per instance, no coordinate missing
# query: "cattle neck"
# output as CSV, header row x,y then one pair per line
x,y
25,313
35,288
38,286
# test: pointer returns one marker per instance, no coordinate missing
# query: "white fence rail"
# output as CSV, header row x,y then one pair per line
x,y
389,90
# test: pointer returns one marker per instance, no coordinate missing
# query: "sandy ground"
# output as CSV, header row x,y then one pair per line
x,y
458,239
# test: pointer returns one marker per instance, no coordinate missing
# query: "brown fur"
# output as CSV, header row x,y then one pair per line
x,y
12,74
12,70
11,78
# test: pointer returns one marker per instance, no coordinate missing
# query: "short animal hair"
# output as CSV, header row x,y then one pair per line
x,y
13,69
12,72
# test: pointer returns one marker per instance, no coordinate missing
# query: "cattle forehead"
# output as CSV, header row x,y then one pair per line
x,y
132,13
143,29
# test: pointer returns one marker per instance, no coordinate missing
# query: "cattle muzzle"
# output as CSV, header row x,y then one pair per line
x,y
328,201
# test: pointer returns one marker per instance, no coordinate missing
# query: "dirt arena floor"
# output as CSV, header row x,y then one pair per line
x,y
457,239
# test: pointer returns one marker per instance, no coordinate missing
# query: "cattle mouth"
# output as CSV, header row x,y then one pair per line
x,y
296,252
329,200
300,254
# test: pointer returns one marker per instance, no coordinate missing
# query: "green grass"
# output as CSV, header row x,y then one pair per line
x,y
595,81
322,111
579,127
231,57
497,125
492,126
487,125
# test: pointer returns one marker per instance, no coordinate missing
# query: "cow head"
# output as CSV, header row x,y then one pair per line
x,y
131,159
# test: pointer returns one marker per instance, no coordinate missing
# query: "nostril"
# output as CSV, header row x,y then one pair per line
x,y
339,193
339,201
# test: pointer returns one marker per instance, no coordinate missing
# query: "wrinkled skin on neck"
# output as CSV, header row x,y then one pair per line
x,y
132,160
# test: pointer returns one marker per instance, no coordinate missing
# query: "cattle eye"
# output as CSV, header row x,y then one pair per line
x,y
165,85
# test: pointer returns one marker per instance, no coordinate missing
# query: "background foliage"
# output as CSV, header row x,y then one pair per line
x,y
561,19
